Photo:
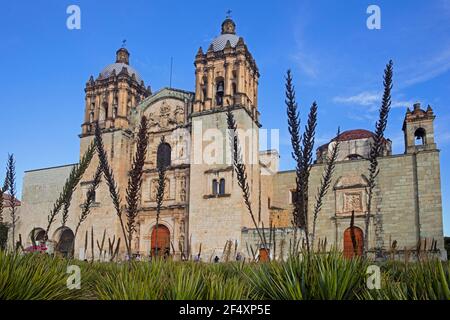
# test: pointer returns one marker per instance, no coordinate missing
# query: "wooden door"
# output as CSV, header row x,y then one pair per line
x,y
162,241
349,248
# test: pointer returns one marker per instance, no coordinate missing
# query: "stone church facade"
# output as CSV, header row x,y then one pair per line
x,y
203,206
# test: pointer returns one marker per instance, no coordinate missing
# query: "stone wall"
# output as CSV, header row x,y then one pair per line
x,y
407,195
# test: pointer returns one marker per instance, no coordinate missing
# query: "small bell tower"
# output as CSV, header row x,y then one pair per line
x,y
418,128
226,74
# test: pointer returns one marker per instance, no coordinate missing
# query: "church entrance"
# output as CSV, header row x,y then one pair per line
x,y
64,241
160,241
349,248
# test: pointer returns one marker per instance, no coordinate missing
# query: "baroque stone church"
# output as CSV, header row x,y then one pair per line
x,y
203,205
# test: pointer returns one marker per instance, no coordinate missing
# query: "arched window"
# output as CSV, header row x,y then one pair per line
x,y
93,195
215,187
420,136
354,157
204,84
222,186
103,112
164,155
219,92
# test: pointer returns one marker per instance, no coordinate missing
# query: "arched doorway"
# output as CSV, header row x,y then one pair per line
x,y
349,248
160,241
37,235
64,239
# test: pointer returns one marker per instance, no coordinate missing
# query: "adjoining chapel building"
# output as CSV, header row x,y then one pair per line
x,y
203,203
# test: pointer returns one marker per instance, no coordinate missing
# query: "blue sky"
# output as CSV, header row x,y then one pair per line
x,y
335,58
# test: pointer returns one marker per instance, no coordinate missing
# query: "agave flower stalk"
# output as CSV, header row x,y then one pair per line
x,y
159,196
377,147
325,184
241,173
110,181
135,179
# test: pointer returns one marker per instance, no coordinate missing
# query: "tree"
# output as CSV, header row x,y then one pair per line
x,y
377,147
65,197
3,226
110,181
159,196
325,184
11,177
90,197
135,179
302,154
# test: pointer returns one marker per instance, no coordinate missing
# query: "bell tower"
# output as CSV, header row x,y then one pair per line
x,y
110,97
418,128
226,75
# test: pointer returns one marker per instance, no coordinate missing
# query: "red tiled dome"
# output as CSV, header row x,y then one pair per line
x,y
354,135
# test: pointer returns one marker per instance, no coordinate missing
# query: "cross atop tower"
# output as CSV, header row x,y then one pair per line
x,y
228,16
124,43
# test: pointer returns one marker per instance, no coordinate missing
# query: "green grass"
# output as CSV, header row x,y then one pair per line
x,y
319,276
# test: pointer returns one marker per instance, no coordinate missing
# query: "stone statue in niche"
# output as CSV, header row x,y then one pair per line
x,y
181,226
164,114
151,121
154,191
166,189
183,195
179,115
136,240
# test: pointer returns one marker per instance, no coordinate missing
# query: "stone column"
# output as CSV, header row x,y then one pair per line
x,y
210,88
198,85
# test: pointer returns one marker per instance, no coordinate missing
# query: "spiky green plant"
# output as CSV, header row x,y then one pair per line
x,y
133,281
110,181
376,151
160,195
325,184
36,277
135,180
11,183
65,197
240,169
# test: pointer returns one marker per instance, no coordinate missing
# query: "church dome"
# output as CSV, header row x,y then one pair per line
x,y
122,61
117,67
220,42
228,34
354,135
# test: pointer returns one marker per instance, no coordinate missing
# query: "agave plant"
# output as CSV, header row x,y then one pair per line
x,y
35,276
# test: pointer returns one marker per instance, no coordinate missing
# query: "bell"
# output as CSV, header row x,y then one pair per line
x,y
220,87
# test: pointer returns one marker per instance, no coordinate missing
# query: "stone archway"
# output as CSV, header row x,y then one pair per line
x,y
37,235
64,241
349,248
160,241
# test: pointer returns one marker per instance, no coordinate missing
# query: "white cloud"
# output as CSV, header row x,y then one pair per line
x,y
426,69
370,101
362,99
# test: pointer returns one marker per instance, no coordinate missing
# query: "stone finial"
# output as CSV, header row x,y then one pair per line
x,y
408,110
429,109
122,56
123,71
240,42
228,45
228,26
200,52
211,48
